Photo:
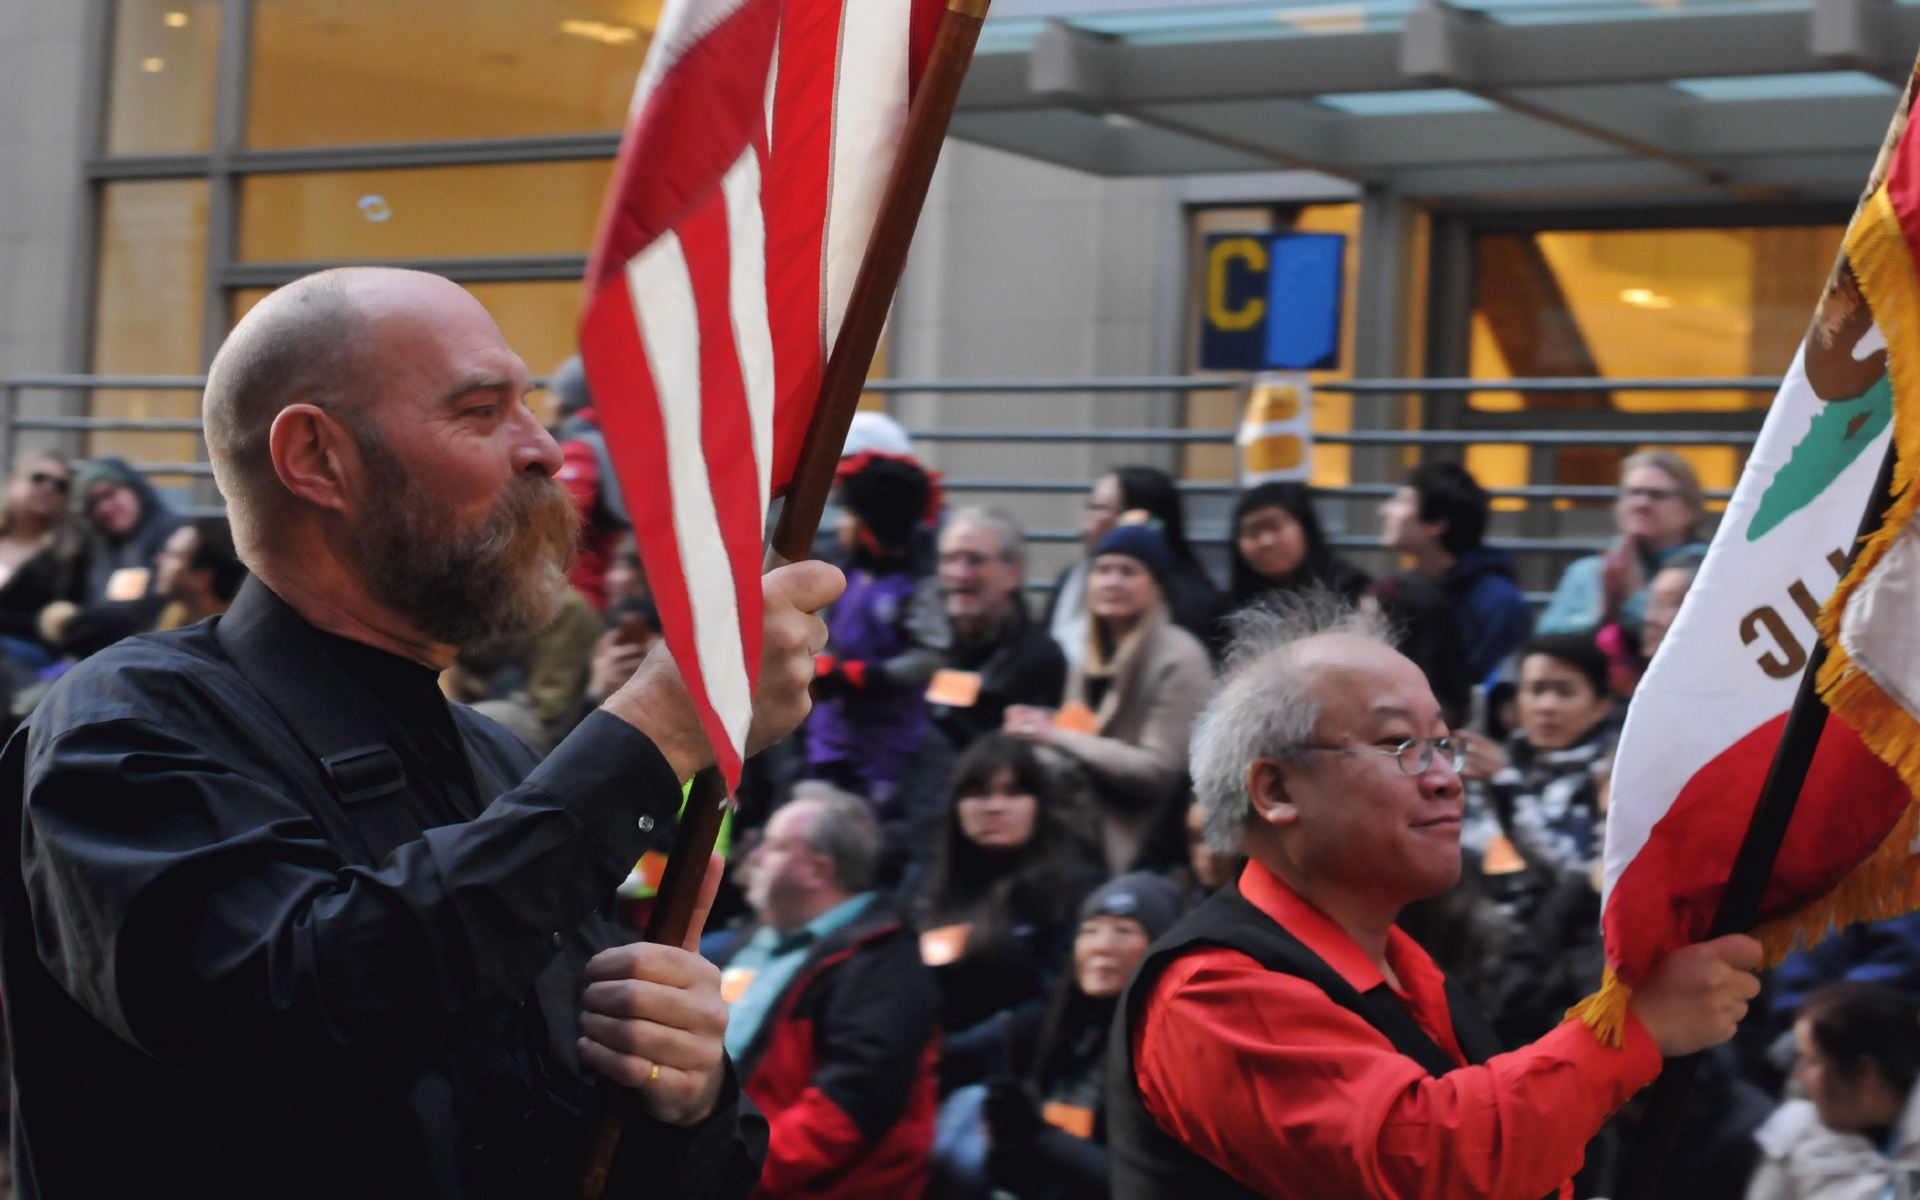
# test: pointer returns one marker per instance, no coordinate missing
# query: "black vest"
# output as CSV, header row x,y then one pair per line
x,y
1148,1164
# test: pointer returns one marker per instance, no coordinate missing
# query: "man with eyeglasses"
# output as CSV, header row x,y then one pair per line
x,y
998,656
1286,1039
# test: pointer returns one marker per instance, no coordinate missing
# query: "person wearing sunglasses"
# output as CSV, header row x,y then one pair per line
x,y
1286,1039
1658,513
40,553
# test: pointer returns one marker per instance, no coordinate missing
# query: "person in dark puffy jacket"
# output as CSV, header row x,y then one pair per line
x,y
1048,1131
833,1021
1439,517
995,906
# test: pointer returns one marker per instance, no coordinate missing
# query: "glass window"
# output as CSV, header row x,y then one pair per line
x,y
432,212
162,87
153,253
1640,303
540,320
343,72
1662,302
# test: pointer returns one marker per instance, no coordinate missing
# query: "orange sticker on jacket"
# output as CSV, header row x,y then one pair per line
x,y
938,947
1070,1117
1075,717
1501,858
734,982
128,583
955,689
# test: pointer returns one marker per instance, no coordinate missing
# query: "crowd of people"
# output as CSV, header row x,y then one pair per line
x,y
939,885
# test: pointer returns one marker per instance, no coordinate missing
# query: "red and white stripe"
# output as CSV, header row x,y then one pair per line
x,y
757,150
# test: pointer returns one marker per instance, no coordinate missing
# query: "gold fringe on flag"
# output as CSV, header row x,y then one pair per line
x,y
1886,883
1605,1012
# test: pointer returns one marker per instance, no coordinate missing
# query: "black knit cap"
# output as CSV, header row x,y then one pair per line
x,y
890,495
1142,897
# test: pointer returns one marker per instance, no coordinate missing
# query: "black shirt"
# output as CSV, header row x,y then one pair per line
x,y
420,722
214,988
1019,663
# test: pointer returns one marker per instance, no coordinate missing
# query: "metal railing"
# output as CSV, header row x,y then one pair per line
x,y
13,422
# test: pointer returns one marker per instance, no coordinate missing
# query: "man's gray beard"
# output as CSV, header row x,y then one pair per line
x,y
464,588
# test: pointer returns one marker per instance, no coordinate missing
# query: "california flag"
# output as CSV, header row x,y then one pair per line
x,y
1704,724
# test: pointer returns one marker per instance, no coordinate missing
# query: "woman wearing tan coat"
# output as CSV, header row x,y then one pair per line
x,y
1142,678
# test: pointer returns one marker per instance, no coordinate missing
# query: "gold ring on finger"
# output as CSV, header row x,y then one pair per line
x,y
652,1076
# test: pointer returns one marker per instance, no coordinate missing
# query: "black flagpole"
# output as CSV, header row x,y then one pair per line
x,y
1740,904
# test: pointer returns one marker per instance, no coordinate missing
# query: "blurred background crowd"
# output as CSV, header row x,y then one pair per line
x,y
940,884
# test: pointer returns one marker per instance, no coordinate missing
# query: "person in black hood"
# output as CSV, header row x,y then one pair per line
x,y
1439,517
1278,546
128,526
132,524
1048,1132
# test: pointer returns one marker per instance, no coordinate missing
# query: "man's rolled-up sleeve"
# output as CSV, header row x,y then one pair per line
x,y
193,905
1296,1097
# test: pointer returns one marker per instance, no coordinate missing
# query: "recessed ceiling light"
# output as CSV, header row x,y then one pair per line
x,y
600,31
176,20
153,65
1646,298
1327,18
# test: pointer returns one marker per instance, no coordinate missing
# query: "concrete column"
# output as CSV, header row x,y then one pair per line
x,y
1023,270
46,127
1383,312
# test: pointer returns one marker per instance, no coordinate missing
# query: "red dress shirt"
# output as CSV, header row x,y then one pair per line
x,y
1298,1098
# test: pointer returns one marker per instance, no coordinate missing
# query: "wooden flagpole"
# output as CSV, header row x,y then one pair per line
x,y
840,386
1739,908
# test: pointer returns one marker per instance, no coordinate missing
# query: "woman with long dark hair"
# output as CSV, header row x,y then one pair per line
x,y
1278,546
996,907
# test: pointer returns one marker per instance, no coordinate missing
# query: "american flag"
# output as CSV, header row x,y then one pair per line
x,y
757,150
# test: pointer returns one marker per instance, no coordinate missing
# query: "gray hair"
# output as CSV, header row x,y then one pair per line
x,y
1007,532
845,831
1262,708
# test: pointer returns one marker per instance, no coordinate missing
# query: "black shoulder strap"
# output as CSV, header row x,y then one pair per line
x,y
1229,919
273,649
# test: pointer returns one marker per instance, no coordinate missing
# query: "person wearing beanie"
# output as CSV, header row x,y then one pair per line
x,y
1048,1131
586,471
1132,697
885,640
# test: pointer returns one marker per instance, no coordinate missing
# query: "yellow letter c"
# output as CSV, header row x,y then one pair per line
x,y
1231,320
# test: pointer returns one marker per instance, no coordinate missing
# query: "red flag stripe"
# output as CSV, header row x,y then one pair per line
x,y
762,137
630,417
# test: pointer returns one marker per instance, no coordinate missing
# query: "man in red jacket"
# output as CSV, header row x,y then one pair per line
x,y
1285,1039
832,1015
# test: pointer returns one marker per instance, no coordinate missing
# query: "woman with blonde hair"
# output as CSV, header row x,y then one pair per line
x,y
1143,680
41,558
1658,512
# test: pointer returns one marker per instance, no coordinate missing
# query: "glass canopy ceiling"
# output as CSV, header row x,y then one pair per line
x,y
1666,99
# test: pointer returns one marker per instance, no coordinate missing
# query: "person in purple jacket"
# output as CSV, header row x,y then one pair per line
x,y
885,638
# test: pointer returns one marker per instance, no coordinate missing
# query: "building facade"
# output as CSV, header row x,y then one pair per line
x,y
1528,188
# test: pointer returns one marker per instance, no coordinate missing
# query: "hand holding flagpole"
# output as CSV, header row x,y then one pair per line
x,y
636,286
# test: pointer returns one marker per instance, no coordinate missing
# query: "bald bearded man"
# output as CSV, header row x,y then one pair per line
x,y
279,920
